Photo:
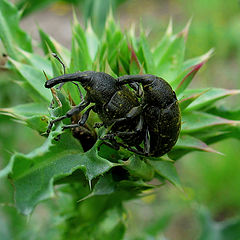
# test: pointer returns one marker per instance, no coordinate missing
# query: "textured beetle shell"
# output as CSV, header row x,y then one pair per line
x,y
162,116
164,126
113,102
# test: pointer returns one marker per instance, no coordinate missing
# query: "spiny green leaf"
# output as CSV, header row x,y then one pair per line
x,y
166,170
225,112
92,41
204,122
10,34
195,61
47,43
187,100
185,78
124,52
53,160
104,186
114,42
109,70
135,187
134,66
146,54
121,69
50,45
98,12
213,137
34,78
101,56
32,93
25,110
37,61
139,168
80,57
34,115
95,165
209,97
170,65
163,45
187,142
111,25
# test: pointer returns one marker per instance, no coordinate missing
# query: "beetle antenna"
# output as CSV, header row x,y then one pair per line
x,y
64,68
57,57
64,71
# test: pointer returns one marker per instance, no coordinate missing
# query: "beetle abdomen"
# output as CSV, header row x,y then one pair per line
x,y
120,104
164,127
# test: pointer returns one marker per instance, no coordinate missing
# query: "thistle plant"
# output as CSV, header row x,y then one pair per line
x,y
96,179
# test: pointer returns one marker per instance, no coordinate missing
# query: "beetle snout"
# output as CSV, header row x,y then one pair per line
x,y
50,83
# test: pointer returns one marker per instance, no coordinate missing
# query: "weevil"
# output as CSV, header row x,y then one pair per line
x,y
160,111
151,117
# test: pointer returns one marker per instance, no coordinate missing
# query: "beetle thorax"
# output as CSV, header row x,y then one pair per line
x,y
101,88
159,93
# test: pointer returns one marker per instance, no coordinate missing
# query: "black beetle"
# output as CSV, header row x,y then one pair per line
x,y
113,102
153,118
160,111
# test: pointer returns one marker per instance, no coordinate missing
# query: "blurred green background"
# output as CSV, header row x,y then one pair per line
x,y
211,182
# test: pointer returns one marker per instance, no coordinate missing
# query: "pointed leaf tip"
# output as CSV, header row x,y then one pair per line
x,y
188,78
205,98
190,143
212,150
134,57
169,28
194,61
207,55
186,101
185,31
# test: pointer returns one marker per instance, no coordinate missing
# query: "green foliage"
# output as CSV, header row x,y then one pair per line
x,y
101,179
11,35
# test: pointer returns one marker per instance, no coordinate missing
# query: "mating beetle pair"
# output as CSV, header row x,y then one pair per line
x,y
151,117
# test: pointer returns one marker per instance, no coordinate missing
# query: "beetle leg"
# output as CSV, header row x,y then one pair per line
x,y
85,116
140,124
116,145
134,112
82,121
138,129
111,144
136,86
79,90
98,125
131,149
108,136
69,114
147,142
